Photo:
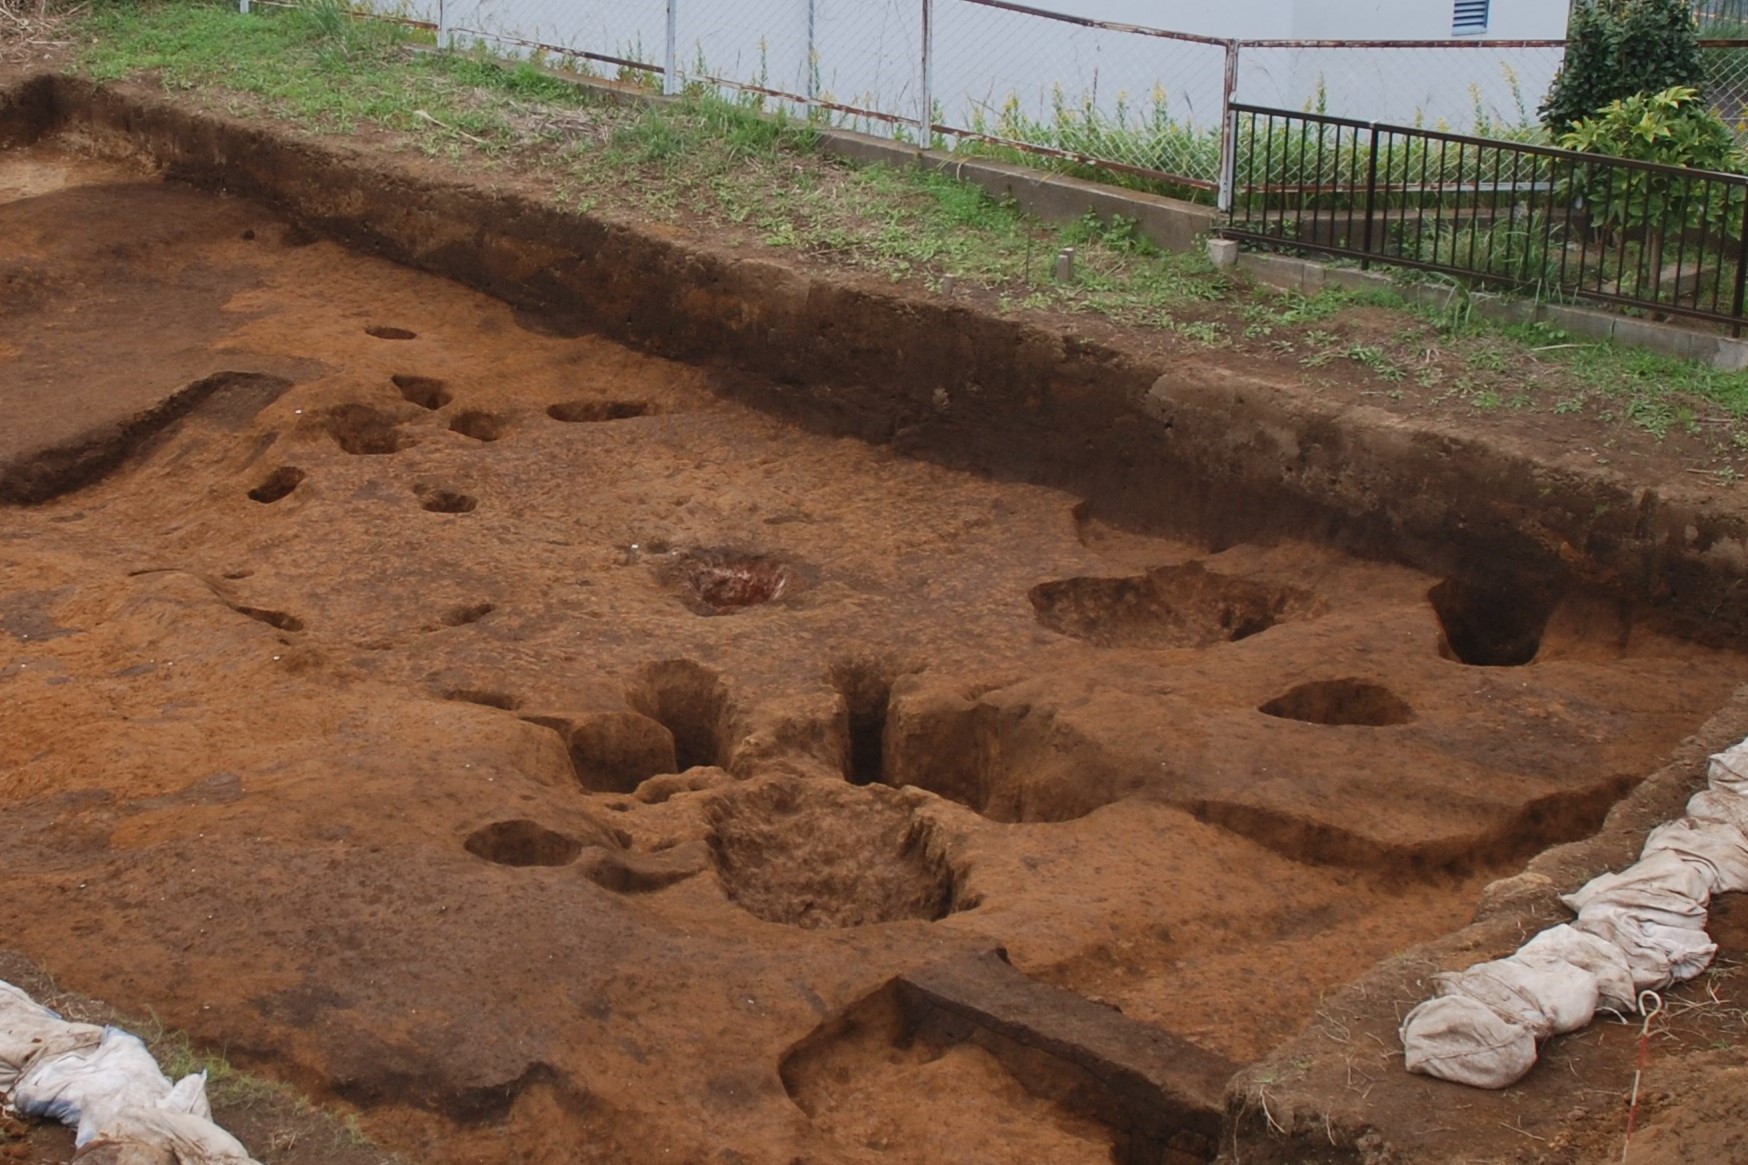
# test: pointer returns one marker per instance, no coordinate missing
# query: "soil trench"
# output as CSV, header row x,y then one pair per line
x,y
596,755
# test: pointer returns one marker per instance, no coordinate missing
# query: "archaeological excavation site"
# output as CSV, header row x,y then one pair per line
x,y
549,690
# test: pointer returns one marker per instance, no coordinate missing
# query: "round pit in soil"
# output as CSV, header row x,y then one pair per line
x,y
1344,701
1174,606
720,582
522,843
820,854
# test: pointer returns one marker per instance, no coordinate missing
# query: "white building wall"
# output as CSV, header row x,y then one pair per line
x,y
1225,19
1440,88
1323,19
1456,89
1423,19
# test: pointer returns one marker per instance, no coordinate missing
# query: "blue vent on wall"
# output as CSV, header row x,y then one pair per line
x,y
1469,16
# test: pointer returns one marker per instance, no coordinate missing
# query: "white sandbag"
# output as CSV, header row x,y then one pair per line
x,y
1720,850
1658,955
29,1031
189,1096
114,1153
1456,1038
193,1139
91,1087
1716,807
105,1082
1603,959
1664,888
1727,771
1544,998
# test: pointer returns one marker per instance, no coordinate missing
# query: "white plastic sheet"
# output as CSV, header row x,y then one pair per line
x,y
1642,928
104,1082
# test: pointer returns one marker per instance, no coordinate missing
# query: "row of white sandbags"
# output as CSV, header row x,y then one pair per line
x,y
1638,930
105,1082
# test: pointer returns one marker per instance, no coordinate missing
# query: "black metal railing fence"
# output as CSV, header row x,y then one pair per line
x,y
1558,223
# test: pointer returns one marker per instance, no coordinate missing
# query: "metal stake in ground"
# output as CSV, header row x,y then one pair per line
x,y
1650,1014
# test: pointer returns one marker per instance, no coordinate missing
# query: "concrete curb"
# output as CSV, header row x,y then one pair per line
x,y
1170,223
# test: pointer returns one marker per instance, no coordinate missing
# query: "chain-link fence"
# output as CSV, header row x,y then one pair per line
x,y
1721,17
757,44
991,76
1726,80
630,36
868,62
1137,100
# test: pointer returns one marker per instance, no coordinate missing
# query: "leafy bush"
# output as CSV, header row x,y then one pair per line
x,y
1645,207
1673,128
1616,48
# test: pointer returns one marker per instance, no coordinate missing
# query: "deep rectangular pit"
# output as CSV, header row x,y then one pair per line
x,y
1183,692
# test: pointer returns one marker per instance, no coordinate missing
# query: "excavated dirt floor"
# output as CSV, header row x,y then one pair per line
x,y
509,735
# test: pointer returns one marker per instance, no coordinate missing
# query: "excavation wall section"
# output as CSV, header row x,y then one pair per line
x,y
1182,449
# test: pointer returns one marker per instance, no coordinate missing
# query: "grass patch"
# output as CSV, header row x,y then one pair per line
x,y
700,158
317,65
226,1085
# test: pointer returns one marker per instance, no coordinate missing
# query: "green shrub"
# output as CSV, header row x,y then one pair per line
x,y
1616,48
1673,128
1644,207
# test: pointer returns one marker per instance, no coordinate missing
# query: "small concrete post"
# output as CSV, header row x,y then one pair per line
x,y
445,38
1065,265
1223,252
949,285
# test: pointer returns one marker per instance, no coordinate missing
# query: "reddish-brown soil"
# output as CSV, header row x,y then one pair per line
x,y
502,731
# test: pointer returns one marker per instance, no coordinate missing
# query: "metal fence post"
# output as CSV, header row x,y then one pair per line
x,y
1229,135
810,84
1741,290
926,119
445,37
670,64
1371,201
